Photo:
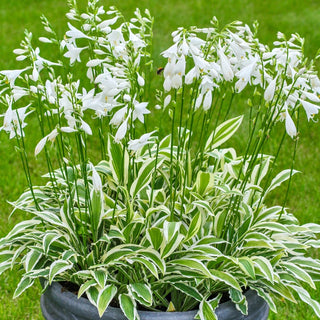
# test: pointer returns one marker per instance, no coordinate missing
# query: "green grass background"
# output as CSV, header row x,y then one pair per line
x,y
287,16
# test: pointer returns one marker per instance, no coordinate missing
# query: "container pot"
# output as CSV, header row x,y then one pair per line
x,y
59,304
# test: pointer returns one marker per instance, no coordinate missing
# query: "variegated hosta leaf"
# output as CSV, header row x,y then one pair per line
x,y
104,298
128,307
57,268
141,293
222,133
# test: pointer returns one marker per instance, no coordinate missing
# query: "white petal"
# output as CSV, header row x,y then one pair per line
x,y
290,126
167,100
86,128
96,180
269,93
40,145
207,100
121,131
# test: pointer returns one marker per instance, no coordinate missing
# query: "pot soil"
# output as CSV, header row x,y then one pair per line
x,y
59,304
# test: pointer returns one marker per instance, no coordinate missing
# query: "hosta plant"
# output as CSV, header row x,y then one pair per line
x,y
168,218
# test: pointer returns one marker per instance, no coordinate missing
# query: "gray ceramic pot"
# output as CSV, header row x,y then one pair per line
x,y
58,304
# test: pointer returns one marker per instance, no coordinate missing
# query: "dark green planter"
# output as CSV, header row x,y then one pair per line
x,y
58,304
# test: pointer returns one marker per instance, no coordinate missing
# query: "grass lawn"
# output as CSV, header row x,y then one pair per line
x,y
288,16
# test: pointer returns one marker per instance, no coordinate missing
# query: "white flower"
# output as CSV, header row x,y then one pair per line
x,y
225,66
140,80
96,180
140,109
290,126
121,132
167,101
137,144
12,75
85,127
45,40
104,26
310,109
18,92
13,121
270,90
118,116
73,53
74,33
207,100
173,72
40,145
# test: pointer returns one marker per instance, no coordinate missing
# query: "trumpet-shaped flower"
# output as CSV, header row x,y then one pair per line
x,y
74,33
140,109
225,66
136,144
270,90
14,120
73,53
12,75
290,126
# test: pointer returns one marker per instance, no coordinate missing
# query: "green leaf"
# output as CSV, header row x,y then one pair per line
x,y
240,300
100,276
168,248
204,182
96,212
247,265
264,267
206,312
32,258
142,293
188,290
119,161
128,307
155,257
85,286
154,235
299,273
223,132
23,285
305,296
280,178
144,176
226,278
105,297
148,264
58,267
266,296
193,264
48,239
194,226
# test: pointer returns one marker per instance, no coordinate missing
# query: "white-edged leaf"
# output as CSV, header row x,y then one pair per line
x,y
142,293
280,178
305,296
32,258
299,273
58,267
206,312
23,285
226,278
188,290
223,132
266,296
128,307
264,266
85,286
105,297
